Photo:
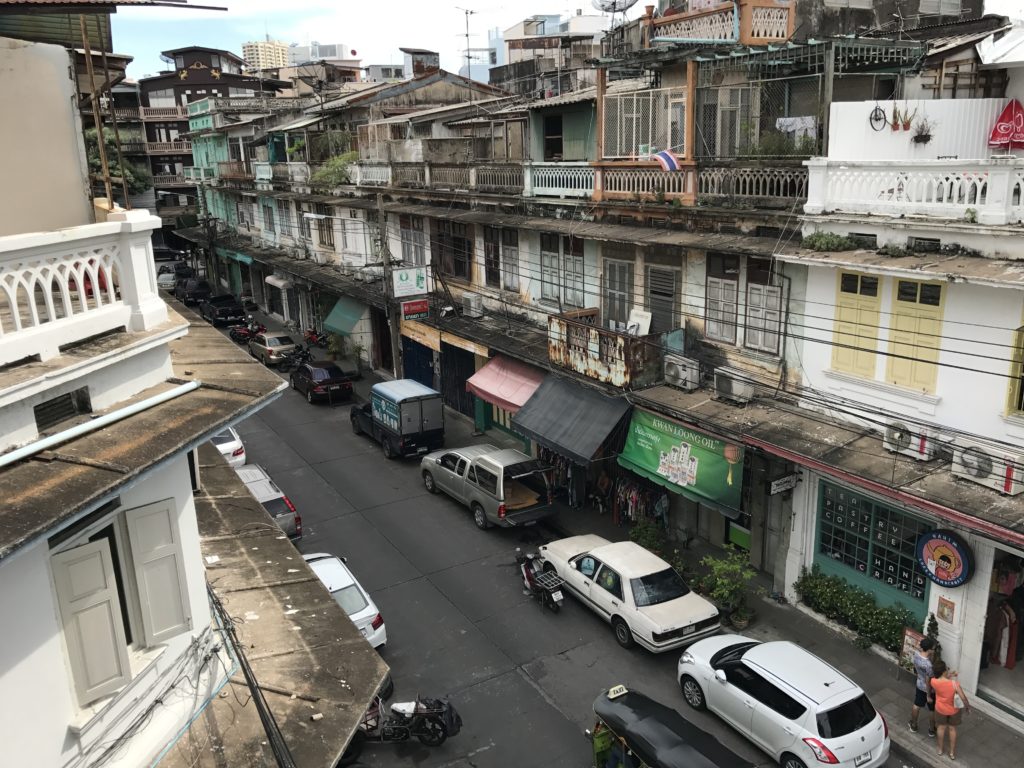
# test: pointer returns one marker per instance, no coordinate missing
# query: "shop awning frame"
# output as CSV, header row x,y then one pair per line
x,y
571,420
278,282
505,382
344,316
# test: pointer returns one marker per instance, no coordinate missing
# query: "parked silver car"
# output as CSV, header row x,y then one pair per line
x,y
272,498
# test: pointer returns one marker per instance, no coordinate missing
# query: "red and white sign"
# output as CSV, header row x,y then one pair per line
x,y
416,309
1008,132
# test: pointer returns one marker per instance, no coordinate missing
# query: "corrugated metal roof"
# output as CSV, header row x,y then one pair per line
x,y
628,85
1007,51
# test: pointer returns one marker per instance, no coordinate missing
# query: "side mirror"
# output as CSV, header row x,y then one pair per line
x,y
573,566
437,460
720,675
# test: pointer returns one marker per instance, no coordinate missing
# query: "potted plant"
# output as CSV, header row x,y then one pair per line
x,y
727,585
907,118
895,118
922,131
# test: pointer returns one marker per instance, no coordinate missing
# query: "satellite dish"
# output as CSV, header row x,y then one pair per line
x,y
353,52
613,6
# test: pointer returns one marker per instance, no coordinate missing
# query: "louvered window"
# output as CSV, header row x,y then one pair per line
x,y
722,288
764,308
940,7
618,291
663,298
62,408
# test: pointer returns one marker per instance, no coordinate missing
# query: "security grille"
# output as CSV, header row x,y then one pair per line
x,y
61,408
644,122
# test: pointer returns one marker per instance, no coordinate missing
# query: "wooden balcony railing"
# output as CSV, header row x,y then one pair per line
x,y
234,169
167,179
168,147
164,113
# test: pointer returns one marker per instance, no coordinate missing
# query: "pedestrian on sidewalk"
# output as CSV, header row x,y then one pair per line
x,y
950,701
923,696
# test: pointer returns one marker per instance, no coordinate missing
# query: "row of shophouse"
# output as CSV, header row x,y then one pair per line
x,y
804,324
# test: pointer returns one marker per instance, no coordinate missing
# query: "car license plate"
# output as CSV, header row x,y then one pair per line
x,y
422,449
688,630
861,759
335,387
556,595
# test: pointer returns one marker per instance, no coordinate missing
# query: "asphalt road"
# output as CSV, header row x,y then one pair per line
x,y
523,679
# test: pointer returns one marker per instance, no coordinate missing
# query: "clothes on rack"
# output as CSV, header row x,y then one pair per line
x,y
566,476
1007,575
633,499
1001,633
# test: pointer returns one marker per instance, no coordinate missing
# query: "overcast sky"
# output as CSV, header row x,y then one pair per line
x,y
375,30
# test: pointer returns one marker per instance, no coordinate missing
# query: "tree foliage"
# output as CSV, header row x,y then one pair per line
x,y
335,171
137,178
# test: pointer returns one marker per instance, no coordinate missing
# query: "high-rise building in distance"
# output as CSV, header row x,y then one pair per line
x,y
265,54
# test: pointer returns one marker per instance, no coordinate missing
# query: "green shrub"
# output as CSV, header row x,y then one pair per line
x,y
728,578
829,241
335,171
840,601
649,535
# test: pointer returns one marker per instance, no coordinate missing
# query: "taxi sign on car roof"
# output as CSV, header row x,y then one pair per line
x,y
615,691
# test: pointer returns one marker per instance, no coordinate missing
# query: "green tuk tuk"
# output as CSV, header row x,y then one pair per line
x,y
634,731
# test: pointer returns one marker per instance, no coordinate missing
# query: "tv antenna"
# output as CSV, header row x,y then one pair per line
x,y
469,69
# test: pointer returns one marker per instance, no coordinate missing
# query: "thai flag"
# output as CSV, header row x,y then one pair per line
x,y
667,160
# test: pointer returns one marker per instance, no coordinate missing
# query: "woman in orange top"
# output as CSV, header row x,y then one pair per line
x,y
947,715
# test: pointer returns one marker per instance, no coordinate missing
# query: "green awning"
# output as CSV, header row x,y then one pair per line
x,y
242,257
345,316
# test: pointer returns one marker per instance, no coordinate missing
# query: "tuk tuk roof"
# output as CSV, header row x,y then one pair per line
x,y
660,736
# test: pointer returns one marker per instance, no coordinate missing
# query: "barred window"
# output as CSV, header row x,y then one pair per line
x,y
284,216
644,122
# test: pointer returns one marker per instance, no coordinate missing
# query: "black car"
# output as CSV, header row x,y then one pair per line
x,y
221,309
192,290
179,268
321,380
166,253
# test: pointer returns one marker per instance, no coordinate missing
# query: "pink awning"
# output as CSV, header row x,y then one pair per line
x,y
1008,132
505,382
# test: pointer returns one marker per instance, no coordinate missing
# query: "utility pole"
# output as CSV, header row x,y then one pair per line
x,y
469,66
394,329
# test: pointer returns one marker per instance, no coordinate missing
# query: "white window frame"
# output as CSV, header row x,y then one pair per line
x,y
722,307
616,294
574,290
510,263
413,240
151,565
550,277
763,325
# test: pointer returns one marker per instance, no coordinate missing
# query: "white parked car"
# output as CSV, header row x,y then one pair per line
x,y
796,707
230,446
350,595
166,280
637,592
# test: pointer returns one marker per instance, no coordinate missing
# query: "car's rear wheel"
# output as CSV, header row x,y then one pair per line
x,y
480,518
356,429
428,482
389,452
692,692
791,761
291,380
623,635
309,396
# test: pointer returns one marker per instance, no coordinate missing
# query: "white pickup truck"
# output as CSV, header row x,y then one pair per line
x,y
502,487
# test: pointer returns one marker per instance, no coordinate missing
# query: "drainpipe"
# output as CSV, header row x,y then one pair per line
x,y
98,423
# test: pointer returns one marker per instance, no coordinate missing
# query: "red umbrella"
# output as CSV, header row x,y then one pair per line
x,y
1008,132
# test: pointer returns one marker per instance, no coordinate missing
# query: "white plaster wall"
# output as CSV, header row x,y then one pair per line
x,y
49,159
971,390
34,674
960,127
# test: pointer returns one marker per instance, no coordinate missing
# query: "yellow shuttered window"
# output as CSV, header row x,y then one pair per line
x,y
855,340
914,336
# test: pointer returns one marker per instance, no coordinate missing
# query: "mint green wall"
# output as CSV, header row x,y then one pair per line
x,y
200,123
207,151
578,132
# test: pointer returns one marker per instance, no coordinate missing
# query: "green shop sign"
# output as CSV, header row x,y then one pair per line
x,y
699,466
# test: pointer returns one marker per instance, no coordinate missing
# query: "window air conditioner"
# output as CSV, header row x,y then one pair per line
x,y
682,372
910,440
735,385
472,305
993,468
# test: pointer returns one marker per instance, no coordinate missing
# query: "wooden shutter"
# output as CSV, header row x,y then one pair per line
x,y
764,304
91,614
662,298
721,309
159,571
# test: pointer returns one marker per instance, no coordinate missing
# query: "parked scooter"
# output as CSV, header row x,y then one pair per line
x,y
432,721
546,586
315,338
240,334
292,360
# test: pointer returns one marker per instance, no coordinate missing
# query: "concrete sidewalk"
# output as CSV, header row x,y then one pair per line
x,y
983,741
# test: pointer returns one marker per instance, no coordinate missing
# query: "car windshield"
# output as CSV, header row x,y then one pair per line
x,y
223,438
846,718
350,599
327,372
277,507
279,341
658,588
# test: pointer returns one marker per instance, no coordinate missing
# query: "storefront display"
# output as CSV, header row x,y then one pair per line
x,y
1002,649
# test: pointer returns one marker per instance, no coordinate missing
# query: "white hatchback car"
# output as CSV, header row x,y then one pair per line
x,y
796,707
230,446
350,595
634,590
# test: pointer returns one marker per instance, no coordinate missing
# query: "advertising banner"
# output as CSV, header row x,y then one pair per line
x,y
409,281
699,466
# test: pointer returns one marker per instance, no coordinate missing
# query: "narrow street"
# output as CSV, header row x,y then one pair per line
x,y
458,625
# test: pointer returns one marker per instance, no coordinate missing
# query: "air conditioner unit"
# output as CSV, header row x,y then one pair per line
x,y
909,439
990,467
682,372
472,305
735,385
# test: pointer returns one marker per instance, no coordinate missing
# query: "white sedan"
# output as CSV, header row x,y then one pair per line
x,y
634,590
795,706
350,595
230,446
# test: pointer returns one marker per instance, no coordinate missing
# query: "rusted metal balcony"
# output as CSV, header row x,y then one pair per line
x,y
234,169
577,341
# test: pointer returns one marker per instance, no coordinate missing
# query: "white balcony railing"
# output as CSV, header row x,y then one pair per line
x,y
987,191
291,172
198,172
642,182
755,182
61,287
559,179
169,147
373,174
450,176
500,178
262,170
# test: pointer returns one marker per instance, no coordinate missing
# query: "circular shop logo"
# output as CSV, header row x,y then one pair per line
x,y
945,558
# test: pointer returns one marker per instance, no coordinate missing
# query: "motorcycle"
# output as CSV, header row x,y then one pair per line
x,y
240,334
292,360
545,585
315,338
432,721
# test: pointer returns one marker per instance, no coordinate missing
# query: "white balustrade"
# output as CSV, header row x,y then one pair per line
x,y
409,175
630,182
450,176
262,170
559,180
500,178
769,23
987,191
373,174
753,182
60,287
712,24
